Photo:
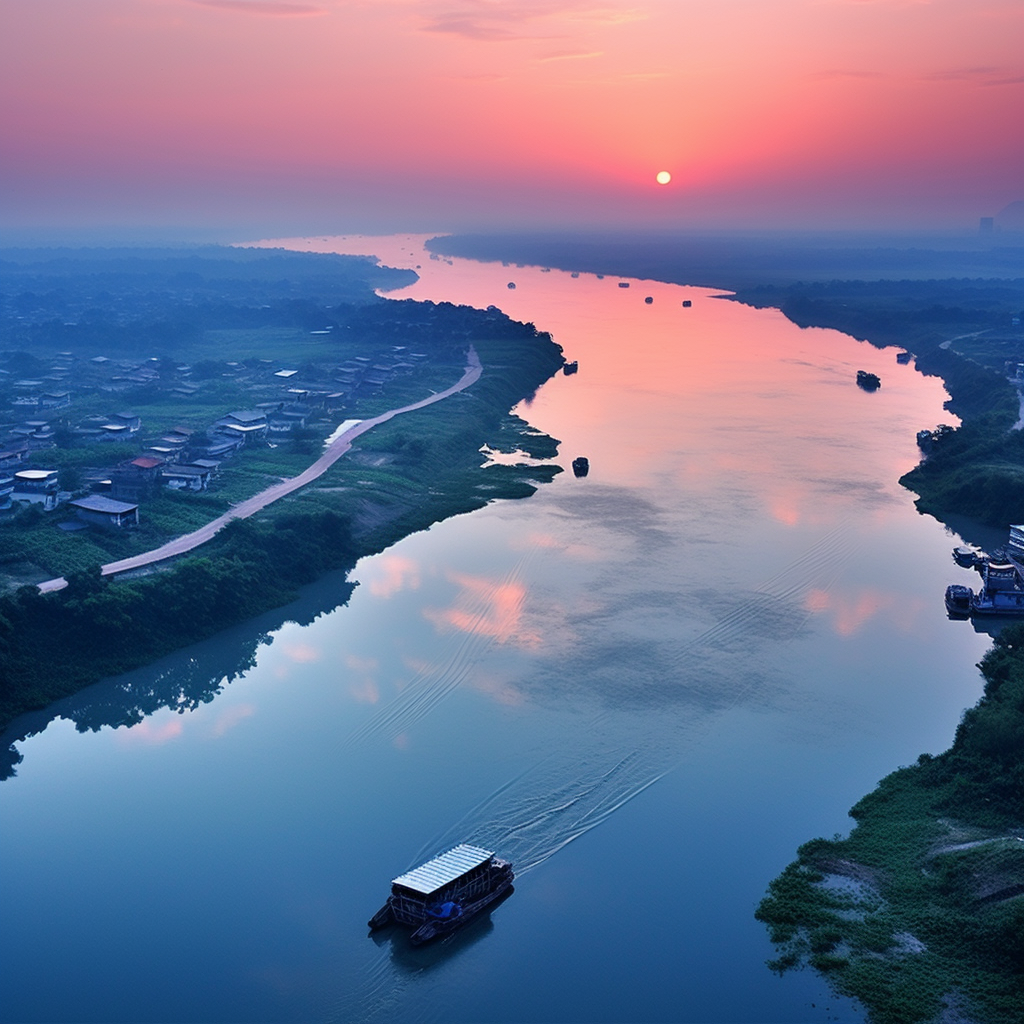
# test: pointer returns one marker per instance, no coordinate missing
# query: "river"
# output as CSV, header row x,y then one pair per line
x,y
645,687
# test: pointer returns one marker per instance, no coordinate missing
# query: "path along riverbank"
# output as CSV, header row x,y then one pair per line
x,y
244,509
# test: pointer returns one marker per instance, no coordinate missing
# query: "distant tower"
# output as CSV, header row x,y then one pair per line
x,y
987,225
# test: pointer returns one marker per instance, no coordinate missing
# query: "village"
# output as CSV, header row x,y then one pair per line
x,y
72,446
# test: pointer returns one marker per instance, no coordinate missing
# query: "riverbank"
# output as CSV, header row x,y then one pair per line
x,y
920,909
918,914
408,474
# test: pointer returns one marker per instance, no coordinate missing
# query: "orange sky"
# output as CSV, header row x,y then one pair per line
x,y
414,114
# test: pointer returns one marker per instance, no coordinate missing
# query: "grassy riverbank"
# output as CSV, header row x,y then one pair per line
x,y
411,472
921,907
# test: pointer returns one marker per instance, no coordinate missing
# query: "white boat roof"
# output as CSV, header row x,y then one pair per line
x,y
444,868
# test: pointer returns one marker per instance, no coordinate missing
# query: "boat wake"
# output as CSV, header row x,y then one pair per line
x,y
533,816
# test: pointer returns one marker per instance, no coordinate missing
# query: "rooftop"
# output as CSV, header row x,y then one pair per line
x,y
98,503
443,869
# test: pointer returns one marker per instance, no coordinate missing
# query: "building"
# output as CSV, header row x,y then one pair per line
x,y
186,478
137,479
36,485
100,510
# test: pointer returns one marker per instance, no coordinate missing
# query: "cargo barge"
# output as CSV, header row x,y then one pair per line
x,y
445,893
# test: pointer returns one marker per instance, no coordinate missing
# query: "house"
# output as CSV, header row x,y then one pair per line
x,y
36,485
100,510
136,479
114,432
243,424
13,457
130,420
186,478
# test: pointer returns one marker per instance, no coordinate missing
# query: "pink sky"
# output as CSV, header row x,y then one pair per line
x,y
328,115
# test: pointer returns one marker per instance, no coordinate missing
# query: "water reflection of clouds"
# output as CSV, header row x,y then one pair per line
x,y
392,574
362,683
149,732
486,608
230,717
850,612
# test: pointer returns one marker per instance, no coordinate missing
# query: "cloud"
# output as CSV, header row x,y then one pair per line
x,y
845,73
961,74
569,55
262,8
504,20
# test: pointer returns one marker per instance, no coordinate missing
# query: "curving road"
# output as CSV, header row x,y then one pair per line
x,y
244,509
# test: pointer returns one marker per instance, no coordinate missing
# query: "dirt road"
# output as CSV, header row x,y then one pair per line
x,y
244,509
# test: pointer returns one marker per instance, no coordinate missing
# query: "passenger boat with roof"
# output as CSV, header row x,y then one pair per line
x,y
446,892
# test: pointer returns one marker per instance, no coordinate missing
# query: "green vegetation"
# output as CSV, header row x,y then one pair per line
x,y
51,645
923,904
405,475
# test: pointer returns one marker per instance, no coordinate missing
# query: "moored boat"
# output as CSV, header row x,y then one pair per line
x,y
445,893
1002,594
581,465
570,368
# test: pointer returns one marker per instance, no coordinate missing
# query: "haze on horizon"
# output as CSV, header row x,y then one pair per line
x,y
235,118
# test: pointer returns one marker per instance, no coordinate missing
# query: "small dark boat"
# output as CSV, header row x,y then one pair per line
x,y
687,303
623,284
649,299
575,273
445,893
868,381
958,601
964,556
570,368
903,358
581,465
512,285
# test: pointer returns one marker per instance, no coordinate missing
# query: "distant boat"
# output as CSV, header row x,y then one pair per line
x,y
903,357
512,284
687,303
575,273
623,284
649,299
581,465
868,381
570,368
446,892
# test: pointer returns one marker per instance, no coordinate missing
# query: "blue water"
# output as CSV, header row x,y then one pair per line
x,y
646,688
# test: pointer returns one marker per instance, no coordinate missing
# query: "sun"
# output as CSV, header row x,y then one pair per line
x,y
663,177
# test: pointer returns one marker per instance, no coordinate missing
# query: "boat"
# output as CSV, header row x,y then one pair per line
x,y
570,368
581,465
445,893
687,303
512,285
965,556
623,284
903,358
1002,593
649,299
868,381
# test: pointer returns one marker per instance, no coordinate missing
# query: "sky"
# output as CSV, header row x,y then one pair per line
x,y
294,116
